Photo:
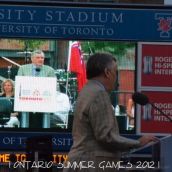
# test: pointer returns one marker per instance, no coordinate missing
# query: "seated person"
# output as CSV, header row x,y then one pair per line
x,y
7,88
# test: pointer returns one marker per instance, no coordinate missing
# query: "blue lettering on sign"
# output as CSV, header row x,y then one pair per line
x,y
85,23
60,141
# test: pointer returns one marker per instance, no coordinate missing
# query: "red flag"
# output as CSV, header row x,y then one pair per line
x,y
77,64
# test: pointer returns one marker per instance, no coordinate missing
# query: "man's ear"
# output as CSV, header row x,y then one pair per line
x,y
107,73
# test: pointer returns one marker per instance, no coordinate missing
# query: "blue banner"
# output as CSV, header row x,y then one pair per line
x,y
17,140
78,23
85,23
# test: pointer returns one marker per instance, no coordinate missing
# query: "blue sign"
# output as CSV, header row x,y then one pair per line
x,y
73,23
85,23
17,140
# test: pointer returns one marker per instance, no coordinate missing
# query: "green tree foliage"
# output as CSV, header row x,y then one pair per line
x,y
116,48
31,44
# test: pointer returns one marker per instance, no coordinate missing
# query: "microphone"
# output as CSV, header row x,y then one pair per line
x,y
142,99
37,69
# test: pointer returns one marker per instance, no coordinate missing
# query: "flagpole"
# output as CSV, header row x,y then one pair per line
x,y
68,66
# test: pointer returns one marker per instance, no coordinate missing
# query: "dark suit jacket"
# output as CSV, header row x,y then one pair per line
x,y
95,130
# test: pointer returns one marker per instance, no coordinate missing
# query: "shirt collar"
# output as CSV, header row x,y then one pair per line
x,y
100,84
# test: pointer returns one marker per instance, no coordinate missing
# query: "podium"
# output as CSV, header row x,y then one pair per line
x,y
162,152
35,99
154,156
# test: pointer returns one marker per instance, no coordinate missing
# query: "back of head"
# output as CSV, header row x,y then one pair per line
x,y
97,63
5,105
5,110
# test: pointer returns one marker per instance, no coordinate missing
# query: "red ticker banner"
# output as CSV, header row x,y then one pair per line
x,y
155,64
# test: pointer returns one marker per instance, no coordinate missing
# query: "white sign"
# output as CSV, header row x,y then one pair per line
x,y
35,94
